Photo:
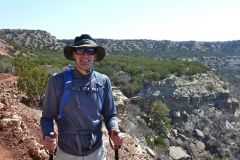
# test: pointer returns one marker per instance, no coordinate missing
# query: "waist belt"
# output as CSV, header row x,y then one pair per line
x,y
81,133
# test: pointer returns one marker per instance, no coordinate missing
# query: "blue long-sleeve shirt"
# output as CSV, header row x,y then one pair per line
x,y
83,110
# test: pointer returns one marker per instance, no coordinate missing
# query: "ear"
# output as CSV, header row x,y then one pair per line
x,y
73,55
95,56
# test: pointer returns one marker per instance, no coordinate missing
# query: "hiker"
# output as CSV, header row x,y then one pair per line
x,y
79,100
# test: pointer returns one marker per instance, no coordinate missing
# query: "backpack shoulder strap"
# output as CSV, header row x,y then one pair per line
x,y
66,93
98,85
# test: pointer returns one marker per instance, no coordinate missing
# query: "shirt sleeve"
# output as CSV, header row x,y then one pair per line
x,y
49,112
109,109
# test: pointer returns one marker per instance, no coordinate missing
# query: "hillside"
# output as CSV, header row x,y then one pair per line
x,y
168,49
222,56
33,39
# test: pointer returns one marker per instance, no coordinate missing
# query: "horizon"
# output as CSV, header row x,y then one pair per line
x,y
186,20
121,39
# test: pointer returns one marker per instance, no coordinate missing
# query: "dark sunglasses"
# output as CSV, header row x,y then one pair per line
x,y
89,51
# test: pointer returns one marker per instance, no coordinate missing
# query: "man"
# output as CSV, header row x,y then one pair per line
x,y
79,134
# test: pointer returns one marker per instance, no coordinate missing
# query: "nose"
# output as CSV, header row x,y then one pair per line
x,y
84,53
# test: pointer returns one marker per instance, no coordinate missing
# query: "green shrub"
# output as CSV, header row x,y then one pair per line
x,y
159,142
190,78
224,86
5,65
224,158
32,80
210,87
160,121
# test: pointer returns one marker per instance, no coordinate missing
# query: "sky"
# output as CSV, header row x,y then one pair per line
x,y
175,20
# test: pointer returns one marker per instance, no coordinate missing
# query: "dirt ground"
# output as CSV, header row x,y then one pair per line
x,y
21,137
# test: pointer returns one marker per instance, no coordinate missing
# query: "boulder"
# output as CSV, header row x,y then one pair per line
x,y
177,153
199,133
194,150
15,121
200,146
120,100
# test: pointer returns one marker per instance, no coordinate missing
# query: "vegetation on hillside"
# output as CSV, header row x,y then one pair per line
x,y
153,136
34,66
159,118
32,39
32,80
132,74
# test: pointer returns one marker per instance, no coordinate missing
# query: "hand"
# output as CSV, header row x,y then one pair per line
x,y
117,139
50,143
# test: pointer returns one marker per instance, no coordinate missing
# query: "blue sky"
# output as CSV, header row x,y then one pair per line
x,y
176,20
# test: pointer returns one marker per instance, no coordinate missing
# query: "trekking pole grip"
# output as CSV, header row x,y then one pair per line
x,y
116,134
51,134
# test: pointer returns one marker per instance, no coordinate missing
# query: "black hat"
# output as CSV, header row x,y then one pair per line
x,y
84,40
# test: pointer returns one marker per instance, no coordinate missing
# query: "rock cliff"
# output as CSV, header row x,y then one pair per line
x,y
185,94
205,118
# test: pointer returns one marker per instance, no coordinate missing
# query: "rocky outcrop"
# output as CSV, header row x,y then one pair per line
x,y
120,100
184,94
11,121
204,116
5,48
33,39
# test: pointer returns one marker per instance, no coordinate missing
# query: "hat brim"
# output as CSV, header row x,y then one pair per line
x,y
100,52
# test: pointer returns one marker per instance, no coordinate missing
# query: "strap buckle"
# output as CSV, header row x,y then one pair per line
x,y
83,133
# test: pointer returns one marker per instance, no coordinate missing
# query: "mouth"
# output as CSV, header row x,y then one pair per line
x,y
85,60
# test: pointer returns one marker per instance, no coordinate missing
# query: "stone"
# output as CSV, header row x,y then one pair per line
x,y
199,133
10,122
194,150
177,153
200,146
151,152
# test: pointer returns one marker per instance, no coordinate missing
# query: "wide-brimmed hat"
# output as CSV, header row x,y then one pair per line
x,y
84,40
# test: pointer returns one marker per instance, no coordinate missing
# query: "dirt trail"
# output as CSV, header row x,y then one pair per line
x,y
7,77
22,142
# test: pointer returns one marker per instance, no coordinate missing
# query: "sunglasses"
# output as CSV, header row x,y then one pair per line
x,y
89,51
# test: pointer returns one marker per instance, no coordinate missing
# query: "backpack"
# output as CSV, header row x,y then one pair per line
x,y
68,88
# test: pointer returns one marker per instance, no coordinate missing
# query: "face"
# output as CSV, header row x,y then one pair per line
x,y
84,58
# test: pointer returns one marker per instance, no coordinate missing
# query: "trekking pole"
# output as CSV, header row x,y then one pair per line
x,y
51,134
116,147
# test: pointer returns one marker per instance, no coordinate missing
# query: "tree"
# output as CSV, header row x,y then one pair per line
x,y
159,117
32,80
158,141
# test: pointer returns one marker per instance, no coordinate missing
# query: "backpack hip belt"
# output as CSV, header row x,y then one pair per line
x,y
81,133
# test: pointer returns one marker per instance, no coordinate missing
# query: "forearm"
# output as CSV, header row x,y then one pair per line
x,y
46,126
112,123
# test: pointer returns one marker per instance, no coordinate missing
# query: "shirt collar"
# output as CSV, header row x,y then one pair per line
x,y
77,74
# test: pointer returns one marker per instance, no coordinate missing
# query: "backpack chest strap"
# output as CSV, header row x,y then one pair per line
x,y
78,89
